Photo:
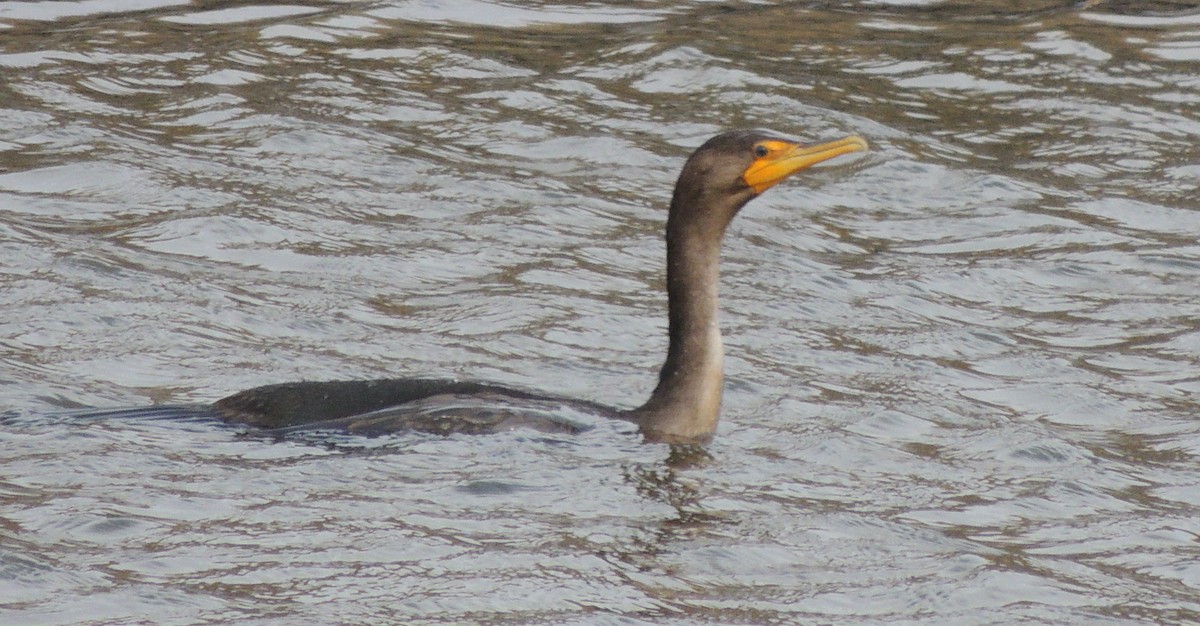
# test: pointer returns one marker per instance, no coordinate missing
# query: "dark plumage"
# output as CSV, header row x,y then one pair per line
x,y
718,179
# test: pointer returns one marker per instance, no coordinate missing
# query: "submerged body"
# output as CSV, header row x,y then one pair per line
x,y
718,179
376,407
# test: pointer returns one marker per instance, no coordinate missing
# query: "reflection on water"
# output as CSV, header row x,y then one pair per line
x,y
961,372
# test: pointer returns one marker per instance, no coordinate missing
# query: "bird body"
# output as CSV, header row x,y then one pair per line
x,y
719,178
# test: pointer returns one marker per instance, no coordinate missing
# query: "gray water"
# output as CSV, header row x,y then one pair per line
x,y
962,370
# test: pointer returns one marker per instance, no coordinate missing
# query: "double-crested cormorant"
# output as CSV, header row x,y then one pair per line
x,y
718,179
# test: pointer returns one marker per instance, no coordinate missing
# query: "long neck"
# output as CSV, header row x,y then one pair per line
x,y
685,405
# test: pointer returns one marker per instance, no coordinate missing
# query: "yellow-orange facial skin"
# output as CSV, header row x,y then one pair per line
x,y
781,159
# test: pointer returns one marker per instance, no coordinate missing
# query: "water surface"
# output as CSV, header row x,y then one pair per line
x,y
962,371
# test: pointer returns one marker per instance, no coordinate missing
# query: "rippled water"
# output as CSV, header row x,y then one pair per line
x,y
962,373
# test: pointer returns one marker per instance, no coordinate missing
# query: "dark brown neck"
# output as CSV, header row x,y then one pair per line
x,y
685,405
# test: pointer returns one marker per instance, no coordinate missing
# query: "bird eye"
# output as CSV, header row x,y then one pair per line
x,y
760,151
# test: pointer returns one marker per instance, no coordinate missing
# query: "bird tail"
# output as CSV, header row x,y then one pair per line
x,y
168,412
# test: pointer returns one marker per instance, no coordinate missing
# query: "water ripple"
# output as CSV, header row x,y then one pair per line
x,y
961,369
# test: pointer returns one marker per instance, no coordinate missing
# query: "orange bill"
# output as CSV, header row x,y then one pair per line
x,y
784,158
